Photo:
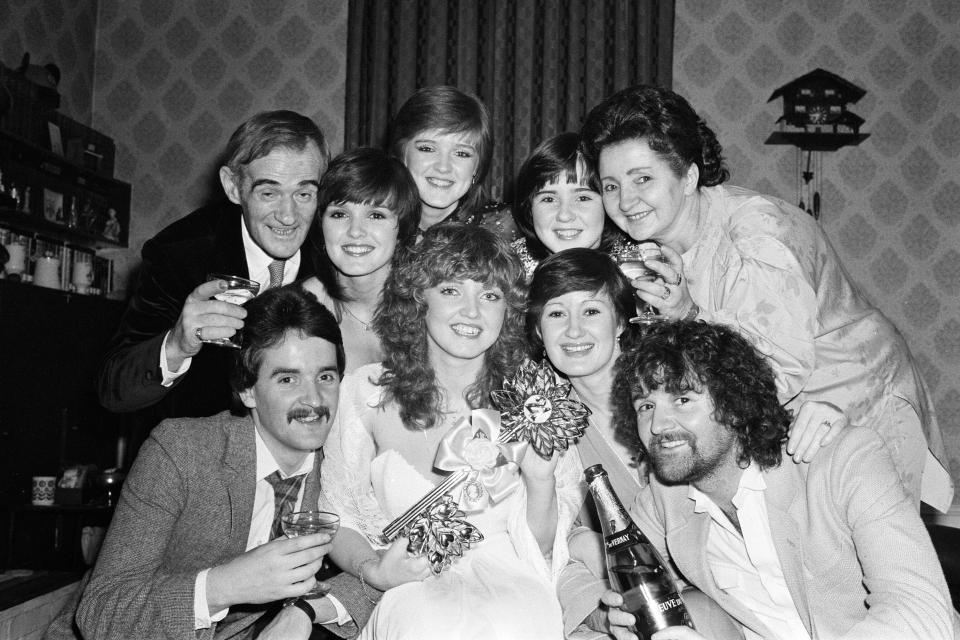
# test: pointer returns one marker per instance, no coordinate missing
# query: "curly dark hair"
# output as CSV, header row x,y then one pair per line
x,y
555,158
449,251
680,356
666,121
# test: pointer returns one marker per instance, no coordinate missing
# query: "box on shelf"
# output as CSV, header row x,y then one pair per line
x,y
29,104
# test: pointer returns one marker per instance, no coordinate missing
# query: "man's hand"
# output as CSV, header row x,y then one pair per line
x,y
281,568
618,620
290,624
214,318
396,567
816,425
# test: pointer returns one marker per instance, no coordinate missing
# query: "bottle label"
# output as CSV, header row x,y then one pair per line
x,y
621,539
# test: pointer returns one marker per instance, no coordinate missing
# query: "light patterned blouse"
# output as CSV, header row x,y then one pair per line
x,y
766,269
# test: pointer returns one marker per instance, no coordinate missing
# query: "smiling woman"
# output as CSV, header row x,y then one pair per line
x,y
557,204
443,136
368,207
766,268
451,328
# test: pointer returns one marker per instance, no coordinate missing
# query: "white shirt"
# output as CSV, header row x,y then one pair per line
x,y
258,266
746,566
261,522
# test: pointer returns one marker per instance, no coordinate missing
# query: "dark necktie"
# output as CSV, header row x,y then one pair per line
x,y
276,274
285,491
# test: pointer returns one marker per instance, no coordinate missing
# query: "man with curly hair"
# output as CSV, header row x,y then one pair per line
x,y
833,549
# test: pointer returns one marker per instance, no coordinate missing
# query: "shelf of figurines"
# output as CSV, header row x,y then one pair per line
x,y
32,259
43,193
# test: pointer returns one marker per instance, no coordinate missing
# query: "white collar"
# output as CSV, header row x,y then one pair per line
x,y
258,260
266,464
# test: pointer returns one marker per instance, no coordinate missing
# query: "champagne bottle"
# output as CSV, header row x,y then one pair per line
x,y
635,567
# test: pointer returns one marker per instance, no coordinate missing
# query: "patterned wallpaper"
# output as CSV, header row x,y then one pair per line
x,y
174,79
891,206
59,31
169,81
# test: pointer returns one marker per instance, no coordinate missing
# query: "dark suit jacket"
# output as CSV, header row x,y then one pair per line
x,y
175,261
185,506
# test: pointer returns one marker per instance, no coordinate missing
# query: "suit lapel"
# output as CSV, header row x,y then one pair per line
x,y
240,464
688,543
228,240
786,512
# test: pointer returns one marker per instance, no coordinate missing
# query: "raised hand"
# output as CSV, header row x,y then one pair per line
x,y
668,293
202,317
281,568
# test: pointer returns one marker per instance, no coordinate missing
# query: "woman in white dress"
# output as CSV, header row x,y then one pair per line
x,y
451,327
368,208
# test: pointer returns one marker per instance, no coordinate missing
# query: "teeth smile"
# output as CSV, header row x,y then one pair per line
x,y
357,250
568,234
283,231
671,444
440,183
467,330
637,216
576,348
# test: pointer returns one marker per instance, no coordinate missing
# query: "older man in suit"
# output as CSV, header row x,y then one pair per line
x,y
193,548
273,163
833,549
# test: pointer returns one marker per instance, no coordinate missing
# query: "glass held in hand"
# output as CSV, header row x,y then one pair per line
x,y
632,262
239,291
302,523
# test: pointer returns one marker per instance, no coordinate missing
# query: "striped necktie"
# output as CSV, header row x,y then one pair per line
x,y
276,274
285,491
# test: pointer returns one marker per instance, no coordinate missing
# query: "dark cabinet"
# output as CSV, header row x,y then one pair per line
x,y
51,344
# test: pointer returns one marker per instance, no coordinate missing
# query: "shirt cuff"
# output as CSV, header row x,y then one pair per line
x,y
202,619
342,616
169,377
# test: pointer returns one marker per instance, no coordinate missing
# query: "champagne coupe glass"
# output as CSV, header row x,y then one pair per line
x,y
302,523
239,290
632,262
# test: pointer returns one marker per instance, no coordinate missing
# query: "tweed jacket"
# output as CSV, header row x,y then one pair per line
x,y
856,557
175,261
186,506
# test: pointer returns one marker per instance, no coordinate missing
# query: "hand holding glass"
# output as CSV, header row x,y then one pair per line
x,y
632,262
302,523
239,291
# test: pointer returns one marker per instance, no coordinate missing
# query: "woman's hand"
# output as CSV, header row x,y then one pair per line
x,y
395,567
536,469
668,293
816,425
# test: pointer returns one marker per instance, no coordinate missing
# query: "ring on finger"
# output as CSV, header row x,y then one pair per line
x,y
679,280
198,334
666,292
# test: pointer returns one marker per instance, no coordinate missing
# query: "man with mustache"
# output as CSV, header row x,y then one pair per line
x,y
833,549
195,546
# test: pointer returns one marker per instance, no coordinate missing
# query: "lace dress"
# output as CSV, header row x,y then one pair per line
x,y
502,587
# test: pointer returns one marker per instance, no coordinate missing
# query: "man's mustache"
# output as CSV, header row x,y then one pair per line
x,y
305,414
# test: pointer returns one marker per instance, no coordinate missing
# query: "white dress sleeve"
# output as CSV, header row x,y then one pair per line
x,y
570,495
348,452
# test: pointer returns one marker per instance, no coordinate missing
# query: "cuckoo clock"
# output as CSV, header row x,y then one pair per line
x,y
815,119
